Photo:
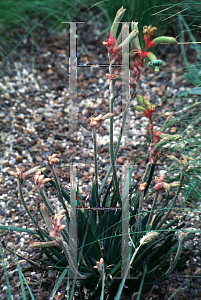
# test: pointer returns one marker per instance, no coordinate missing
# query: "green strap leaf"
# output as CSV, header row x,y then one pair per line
x,y
13,228
6,275
59,281
20,276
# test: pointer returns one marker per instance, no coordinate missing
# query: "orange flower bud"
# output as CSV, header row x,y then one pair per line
x,y
22,176
160,185
52,159
142,185
97,121
99,265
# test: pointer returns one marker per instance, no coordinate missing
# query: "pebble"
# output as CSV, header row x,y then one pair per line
x,y
19,159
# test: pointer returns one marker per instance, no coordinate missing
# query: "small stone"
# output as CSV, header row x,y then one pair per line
x,y
51,274
121,160
173,129
49,71
38,158
22,248
19,158
50,125
92,80
7,96
38,119
160,93
151,83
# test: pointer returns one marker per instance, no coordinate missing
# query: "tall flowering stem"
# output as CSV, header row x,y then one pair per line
x,y
20,176
52,159
152,208
19,182
95,123
173,202
141,188
39,182
116,151
115,57
95,157
111,87
136,59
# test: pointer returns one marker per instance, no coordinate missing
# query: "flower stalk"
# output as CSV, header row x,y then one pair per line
x,y
111,88
95,158
52,159
95,123
153,208
19,183
173,202
141,188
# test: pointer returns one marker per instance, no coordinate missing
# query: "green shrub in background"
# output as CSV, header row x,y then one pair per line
x,y
193,72
27,17
143,12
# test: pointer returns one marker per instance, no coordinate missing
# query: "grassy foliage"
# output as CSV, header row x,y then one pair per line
x,y
23,21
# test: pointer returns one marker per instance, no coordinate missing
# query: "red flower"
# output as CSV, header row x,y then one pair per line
x,y
110,42
157,137
160,185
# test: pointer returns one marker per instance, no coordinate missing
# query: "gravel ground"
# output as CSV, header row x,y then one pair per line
x,y
34,122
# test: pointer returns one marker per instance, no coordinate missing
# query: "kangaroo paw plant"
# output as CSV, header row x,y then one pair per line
x,y
101,265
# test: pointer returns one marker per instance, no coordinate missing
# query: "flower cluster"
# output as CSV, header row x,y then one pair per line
x,y
54,227
137,56
160,139
39,179
141,186
58,217
182,163
146,107
99,265
97,121
162,186
22,176
52,159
